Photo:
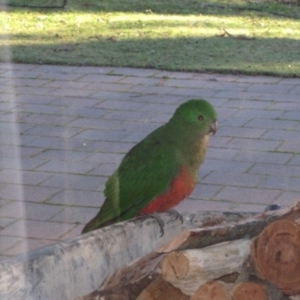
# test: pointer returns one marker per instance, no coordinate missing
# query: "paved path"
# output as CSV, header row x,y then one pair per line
x,y
63,130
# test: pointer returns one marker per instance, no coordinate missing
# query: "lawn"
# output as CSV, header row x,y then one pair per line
x,y
189,35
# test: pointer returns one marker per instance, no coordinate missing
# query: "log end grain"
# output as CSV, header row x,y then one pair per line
x,y
159,289
276,255
212,290
175,266
249,291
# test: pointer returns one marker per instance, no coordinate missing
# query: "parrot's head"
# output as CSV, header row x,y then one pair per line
x,y
197,114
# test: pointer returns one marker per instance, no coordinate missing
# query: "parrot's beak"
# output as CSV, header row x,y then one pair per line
x,y
213,127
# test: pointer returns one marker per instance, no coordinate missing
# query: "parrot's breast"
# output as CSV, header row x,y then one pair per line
x,y
180,188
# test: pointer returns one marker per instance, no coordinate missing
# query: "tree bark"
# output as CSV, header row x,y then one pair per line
x,y
248,228
121,292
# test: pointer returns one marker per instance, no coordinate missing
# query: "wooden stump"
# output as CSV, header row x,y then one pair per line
x,y
276,255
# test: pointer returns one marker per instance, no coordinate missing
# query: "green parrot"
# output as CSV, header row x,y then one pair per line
x,y
161,170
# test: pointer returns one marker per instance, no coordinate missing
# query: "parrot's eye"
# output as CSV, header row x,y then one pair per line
x,y
200,118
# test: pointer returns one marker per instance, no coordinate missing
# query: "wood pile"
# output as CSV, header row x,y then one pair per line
x,y
255,258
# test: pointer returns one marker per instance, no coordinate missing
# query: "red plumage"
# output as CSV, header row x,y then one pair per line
x,y
180,188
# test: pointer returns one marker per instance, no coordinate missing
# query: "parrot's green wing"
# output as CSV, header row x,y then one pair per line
x,y
145,172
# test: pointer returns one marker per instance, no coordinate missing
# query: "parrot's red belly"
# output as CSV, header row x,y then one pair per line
x,y
181,187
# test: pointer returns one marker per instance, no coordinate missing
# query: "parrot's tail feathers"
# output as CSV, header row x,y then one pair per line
x,y
91,225
96,223
88,227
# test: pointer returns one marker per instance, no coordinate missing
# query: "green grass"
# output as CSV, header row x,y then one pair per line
x,y
171,35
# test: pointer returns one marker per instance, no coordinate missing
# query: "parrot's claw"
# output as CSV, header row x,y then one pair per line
x,y
177,215
160,222
157,218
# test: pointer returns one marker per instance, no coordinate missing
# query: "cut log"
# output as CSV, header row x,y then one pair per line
x,y
144,266
276,255
159,289
249,291
212,290
248,228
142,269
248,273
190,269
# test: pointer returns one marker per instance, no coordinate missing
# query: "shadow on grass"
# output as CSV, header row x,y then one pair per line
x,y
257,56
196,7
171,7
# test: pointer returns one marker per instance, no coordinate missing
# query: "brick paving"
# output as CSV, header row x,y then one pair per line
x,y
64,130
